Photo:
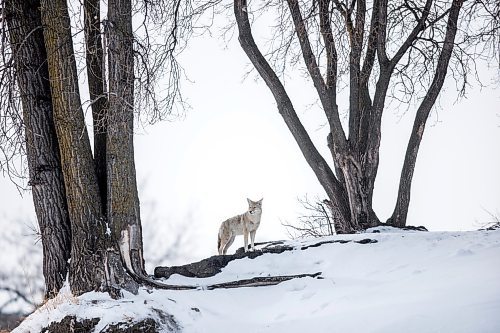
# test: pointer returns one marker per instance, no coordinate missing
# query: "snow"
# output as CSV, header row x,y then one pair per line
x,y
405,282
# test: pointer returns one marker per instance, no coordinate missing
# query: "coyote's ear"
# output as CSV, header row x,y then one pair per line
x,y
260,201
249,201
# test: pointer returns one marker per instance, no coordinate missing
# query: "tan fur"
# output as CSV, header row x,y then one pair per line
x,y
243,224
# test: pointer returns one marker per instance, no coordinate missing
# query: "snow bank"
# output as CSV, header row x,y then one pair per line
x,y
406,282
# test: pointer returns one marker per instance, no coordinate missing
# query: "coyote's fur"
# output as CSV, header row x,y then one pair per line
x,y
242,224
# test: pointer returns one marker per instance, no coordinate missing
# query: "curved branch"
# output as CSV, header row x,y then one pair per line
x,y
317,163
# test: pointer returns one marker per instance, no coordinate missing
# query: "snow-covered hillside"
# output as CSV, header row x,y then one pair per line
x,y
405,282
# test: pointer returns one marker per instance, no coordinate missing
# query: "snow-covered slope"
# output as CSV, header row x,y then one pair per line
x,y
405,282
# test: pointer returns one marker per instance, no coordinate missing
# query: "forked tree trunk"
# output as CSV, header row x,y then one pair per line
x,y
356,158
44,164
87,270
95,264
123,200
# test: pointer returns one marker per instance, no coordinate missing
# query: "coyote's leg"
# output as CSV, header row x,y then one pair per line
x,y
252,238
228,244
245,235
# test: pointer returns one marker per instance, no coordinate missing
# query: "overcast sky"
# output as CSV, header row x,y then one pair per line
x,y
233,144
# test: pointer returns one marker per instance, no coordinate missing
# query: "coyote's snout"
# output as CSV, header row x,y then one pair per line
x,y
240,225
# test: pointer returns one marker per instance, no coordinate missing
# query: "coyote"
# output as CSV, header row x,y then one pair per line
x,y
240,225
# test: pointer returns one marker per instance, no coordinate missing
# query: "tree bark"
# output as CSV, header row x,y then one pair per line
x,y
44,164
87,270
123,200
96,264
98,98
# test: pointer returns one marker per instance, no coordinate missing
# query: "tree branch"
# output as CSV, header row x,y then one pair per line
x,y
321,169
400,212
97,88
355,73
371,48
328,100
382,34
342,8
305,45
331,51
261,281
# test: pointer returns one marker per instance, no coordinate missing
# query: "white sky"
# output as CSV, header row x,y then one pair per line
x,y
233,144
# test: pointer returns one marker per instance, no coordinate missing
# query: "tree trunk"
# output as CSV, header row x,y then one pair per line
x,y
87,271
360,192
96,82
400,212
95,264
123,200
44,164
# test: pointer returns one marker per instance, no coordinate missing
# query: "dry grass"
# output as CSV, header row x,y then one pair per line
x,y
61,298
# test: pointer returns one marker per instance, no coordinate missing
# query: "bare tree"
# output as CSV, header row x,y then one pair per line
x,y
98,191
316,221
381,49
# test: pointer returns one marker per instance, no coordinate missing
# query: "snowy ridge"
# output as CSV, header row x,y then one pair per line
x,y
405,282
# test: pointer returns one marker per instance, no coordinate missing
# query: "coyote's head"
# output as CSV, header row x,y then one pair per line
x,y
254,207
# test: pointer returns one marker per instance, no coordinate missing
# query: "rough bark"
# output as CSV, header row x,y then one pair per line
x,y
123,200
87,270
44,164
398,217
359,188
96,84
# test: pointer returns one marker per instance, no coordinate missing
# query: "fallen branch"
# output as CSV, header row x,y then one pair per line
x,y
261,281
213,265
